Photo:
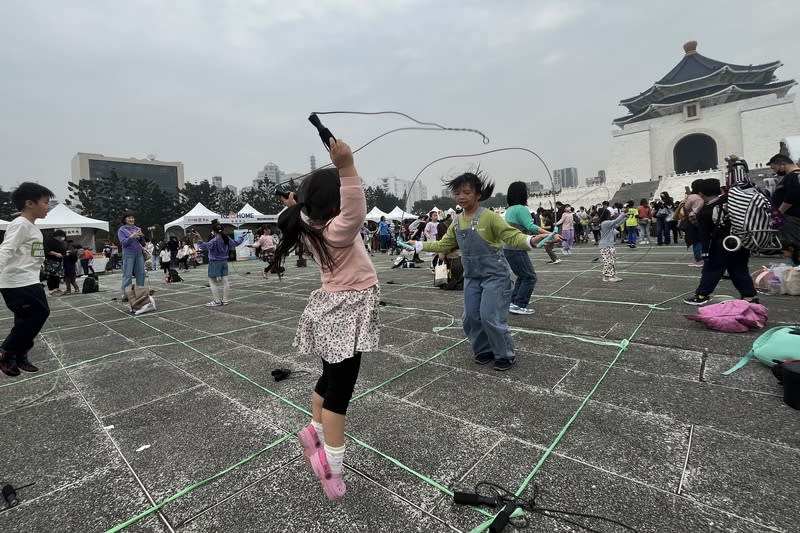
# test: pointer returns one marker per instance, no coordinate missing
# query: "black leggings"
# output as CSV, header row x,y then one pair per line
x,y
337,382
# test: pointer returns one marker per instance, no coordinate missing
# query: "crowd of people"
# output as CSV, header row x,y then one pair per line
x,y
340,321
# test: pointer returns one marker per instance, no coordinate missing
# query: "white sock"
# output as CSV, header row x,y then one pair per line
x,y
318,427
335,458
213,284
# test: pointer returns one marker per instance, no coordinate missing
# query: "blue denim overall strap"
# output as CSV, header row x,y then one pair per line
x,y
487,293
479,259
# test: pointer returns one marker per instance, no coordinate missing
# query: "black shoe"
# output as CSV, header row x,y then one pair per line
x,y
484,358
504,364
697,300
25,365
8,365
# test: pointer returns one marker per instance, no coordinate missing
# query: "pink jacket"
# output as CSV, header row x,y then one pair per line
x,y
354,270
566,221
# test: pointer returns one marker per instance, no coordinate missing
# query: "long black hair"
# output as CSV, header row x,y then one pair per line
x,y
318,201
477,180
219,230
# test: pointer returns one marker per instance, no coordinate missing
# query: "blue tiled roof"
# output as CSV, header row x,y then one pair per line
x,y
695,66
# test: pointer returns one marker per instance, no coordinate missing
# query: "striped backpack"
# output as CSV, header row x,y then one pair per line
x,y
749,214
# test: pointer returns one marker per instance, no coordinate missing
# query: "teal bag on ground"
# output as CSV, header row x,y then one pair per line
x,y
773,346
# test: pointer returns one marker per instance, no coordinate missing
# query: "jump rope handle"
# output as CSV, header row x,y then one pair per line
x,y
403,244
546,239
324,133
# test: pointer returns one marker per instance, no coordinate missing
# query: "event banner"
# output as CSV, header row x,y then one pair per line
x,y
245,250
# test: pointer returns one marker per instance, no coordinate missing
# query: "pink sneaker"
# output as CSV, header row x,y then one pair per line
x,y
332,484
310,440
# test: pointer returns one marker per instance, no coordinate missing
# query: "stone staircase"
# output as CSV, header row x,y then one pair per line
x,y
635,192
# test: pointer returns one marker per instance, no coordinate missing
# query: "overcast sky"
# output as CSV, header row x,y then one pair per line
x,y
226,86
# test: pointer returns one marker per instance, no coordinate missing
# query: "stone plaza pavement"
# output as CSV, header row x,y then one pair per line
x,y
617,407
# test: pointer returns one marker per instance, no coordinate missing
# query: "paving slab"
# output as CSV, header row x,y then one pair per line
x,y
724,408
743,476
566,484
663,403
159,440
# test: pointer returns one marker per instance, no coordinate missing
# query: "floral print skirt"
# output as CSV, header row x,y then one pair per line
x,y
334,325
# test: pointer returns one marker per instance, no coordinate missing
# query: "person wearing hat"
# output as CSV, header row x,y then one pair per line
x,y
737,171
786,198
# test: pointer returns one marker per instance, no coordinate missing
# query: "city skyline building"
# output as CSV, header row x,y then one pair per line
x,y
271,173
565,178
166,174
401,188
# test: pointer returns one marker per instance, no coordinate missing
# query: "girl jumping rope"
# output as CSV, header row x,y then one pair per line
x,y
480,234
607,251
218,249
340,320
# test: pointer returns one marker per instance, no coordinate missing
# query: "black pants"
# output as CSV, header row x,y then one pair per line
x,y
337,382
86,266
30,308
53,282
735,263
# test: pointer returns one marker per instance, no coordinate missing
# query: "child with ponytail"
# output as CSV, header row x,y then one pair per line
x,y
218,250
340,320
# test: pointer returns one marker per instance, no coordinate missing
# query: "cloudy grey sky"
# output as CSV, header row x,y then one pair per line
x,y
226,86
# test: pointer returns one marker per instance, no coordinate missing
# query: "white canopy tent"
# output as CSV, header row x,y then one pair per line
x,y
199,214
250,214
375,214
62,217
399,214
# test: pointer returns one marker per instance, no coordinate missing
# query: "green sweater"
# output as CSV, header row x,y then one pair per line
x,y
519,215
492,229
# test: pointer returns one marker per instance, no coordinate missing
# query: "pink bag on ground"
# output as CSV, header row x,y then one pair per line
x,y
733,316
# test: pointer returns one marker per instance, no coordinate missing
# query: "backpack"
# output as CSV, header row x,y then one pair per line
x,y
173,276
773,346
90,284
750,217
455,275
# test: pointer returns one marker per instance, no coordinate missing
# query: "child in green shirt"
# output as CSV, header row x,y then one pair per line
x,y
480,234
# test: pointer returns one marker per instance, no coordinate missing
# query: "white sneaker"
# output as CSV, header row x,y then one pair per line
x,y
514,309
554,262
214,303
526,311
613,279
145,308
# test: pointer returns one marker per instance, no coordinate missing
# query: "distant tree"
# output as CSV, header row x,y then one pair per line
x,y
6,207
228,201
108,198
263,198
448,202
442,202
203,193
378,197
